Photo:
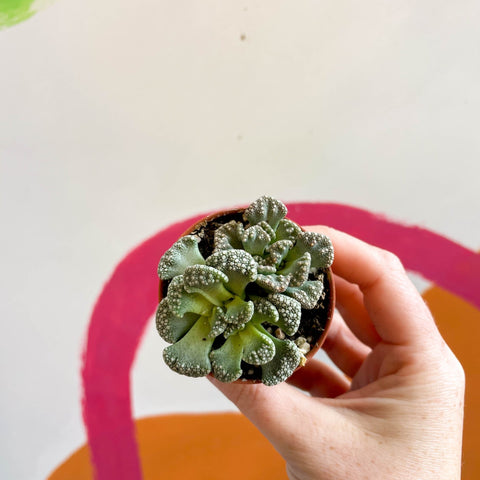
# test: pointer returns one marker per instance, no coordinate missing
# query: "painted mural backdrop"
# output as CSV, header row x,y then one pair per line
x,y
130,299
120,119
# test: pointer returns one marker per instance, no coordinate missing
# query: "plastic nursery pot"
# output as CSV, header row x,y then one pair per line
x,y
314,323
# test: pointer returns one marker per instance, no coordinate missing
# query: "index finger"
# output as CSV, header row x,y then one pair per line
x,y
396,309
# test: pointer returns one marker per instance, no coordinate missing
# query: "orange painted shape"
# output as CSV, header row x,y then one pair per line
x,y
211,446
459,324
76,467
206,447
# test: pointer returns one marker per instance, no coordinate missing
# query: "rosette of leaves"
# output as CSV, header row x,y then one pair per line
x,y
221,308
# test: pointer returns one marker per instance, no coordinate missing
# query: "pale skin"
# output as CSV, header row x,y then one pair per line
x,y
396,412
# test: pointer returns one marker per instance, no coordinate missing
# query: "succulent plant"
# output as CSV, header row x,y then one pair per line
x,y
239,305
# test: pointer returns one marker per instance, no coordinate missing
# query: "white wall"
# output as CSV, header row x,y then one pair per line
x,y
117,118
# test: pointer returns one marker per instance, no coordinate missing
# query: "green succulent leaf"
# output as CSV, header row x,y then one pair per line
x,y
238,312
277,252
266,226
255,239
288,230
181,302
218,321
289,312
307,294
265,269
273,282
238,265
286,360
265,209
258,348
170,327
228,236
190,355
298,270
226,360
232,329
265,311
183,253
207,281
318,245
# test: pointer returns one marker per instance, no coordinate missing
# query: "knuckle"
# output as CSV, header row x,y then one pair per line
x,y
452,367
391,260
458,371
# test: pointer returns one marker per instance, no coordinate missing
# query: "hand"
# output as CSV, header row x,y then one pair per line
x,y
397,413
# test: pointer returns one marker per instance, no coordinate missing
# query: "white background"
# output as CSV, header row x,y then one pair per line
x,y
117,118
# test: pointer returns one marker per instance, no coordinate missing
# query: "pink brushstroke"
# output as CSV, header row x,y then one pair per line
x,y
116,326
444,262
129,298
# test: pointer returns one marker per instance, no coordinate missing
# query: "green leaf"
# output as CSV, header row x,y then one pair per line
x,y
238,312
218,321
318,245
170,327
308,294
266,209
273,282
181,302
268,229
265,269
226,360
298,270
255,239
228,236
190,355
258,348
207,281
289,312
265,311
179,256
238,265
288,230
232,329
277,252
286,360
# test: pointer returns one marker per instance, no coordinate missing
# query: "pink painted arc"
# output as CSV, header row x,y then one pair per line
x,y
129,299
117,324
444,262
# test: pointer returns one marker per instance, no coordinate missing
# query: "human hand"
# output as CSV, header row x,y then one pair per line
x,y
397,413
